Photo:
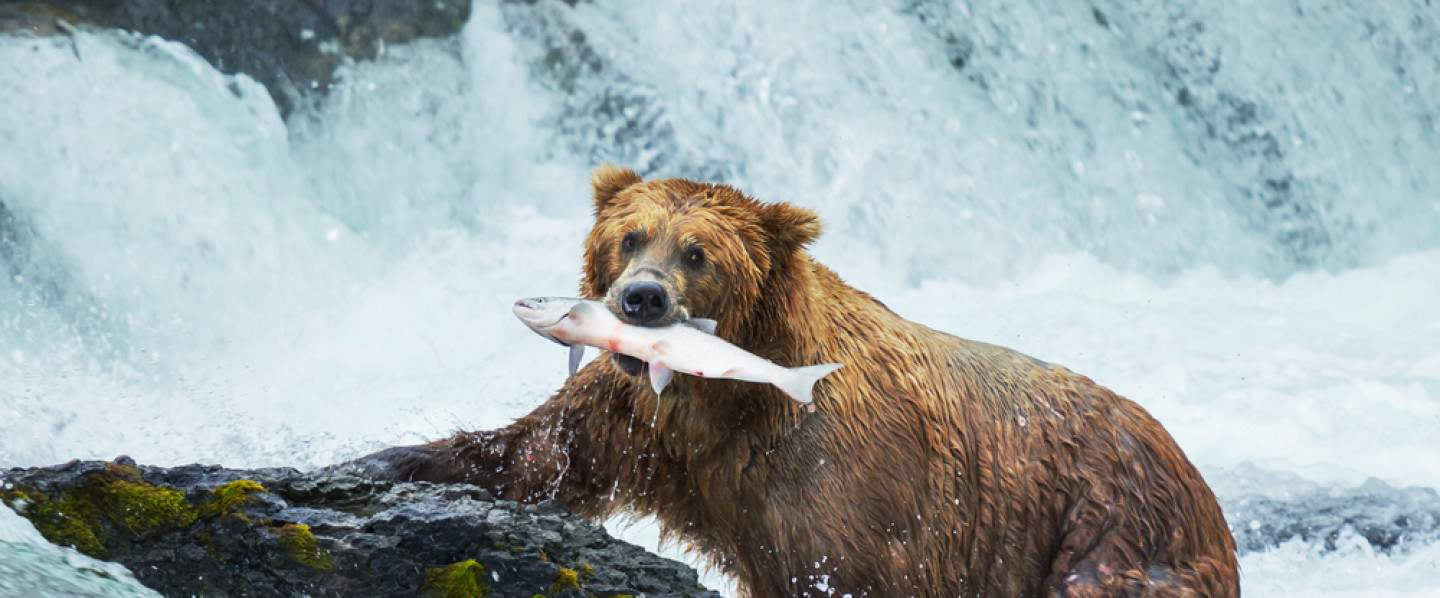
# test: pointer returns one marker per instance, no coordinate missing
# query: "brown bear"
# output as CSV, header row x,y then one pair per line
x,y
930,465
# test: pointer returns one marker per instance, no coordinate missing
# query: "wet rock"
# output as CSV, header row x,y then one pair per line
x,y
207,530
1387,518
605,115
292,47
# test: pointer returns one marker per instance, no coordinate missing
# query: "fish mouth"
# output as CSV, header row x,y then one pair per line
x,y
527,310
530,312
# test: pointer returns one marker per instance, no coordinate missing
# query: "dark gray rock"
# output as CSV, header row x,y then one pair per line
x,y
605,115
291,46
327,535
1389,519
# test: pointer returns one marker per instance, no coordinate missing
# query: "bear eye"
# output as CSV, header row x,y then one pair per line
x,y
695,257
631,239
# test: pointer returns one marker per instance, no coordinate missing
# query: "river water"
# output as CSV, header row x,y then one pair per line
x,y
1228,213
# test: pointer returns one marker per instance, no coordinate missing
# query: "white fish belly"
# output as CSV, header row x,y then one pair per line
x,y
699,354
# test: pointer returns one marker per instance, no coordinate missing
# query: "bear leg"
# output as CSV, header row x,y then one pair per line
x,y
1155,581
1101,575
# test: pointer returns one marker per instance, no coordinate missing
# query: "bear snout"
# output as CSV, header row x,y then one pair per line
x,y
644,302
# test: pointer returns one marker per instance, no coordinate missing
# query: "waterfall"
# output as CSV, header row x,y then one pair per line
x,y
1227,212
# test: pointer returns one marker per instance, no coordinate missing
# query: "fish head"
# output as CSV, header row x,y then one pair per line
x,y
544,314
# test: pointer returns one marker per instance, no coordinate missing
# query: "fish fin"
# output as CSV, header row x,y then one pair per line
x,y
660,377
800,382
577,351
704,324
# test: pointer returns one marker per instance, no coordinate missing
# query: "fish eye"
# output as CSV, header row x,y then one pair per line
x,y
631,239
695,257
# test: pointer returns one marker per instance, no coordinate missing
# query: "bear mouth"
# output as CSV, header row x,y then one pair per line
x,y
629,365
677,314
633,366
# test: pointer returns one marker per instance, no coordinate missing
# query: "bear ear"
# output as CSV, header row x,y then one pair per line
x,y
790,226
608,181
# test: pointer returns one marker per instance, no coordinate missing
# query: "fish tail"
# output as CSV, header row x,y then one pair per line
x,y
801,381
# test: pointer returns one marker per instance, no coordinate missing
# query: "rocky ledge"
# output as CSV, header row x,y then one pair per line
x,y
293,47
203,530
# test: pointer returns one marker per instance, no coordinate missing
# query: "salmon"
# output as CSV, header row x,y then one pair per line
x,y
689,347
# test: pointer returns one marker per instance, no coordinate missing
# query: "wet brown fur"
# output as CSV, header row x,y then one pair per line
x,y
932,466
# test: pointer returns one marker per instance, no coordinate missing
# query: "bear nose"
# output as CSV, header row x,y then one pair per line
x,y
644,302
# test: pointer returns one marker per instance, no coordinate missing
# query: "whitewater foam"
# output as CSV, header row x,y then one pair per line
x,y
188,278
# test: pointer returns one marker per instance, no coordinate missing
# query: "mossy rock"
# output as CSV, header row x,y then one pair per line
x,y
141,507
184,531
465,579
566,580
117,494
303,547
67,522
232,495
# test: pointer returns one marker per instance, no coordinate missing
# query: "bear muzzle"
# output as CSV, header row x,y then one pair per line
x,y
644,302
646,298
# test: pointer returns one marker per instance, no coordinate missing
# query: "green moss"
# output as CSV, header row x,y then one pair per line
x,y
586,572
67,522
141,507
567,580
121,495
465,579
118,494
304,547
121,472
229,496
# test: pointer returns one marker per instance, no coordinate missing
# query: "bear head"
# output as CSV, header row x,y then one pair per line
x,y
662,251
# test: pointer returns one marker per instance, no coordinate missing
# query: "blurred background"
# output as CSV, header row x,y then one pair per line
x,y
282,240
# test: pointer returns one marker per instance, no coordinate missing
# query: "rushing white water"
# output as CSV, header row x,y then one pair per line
x,y
1230,214
30,566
